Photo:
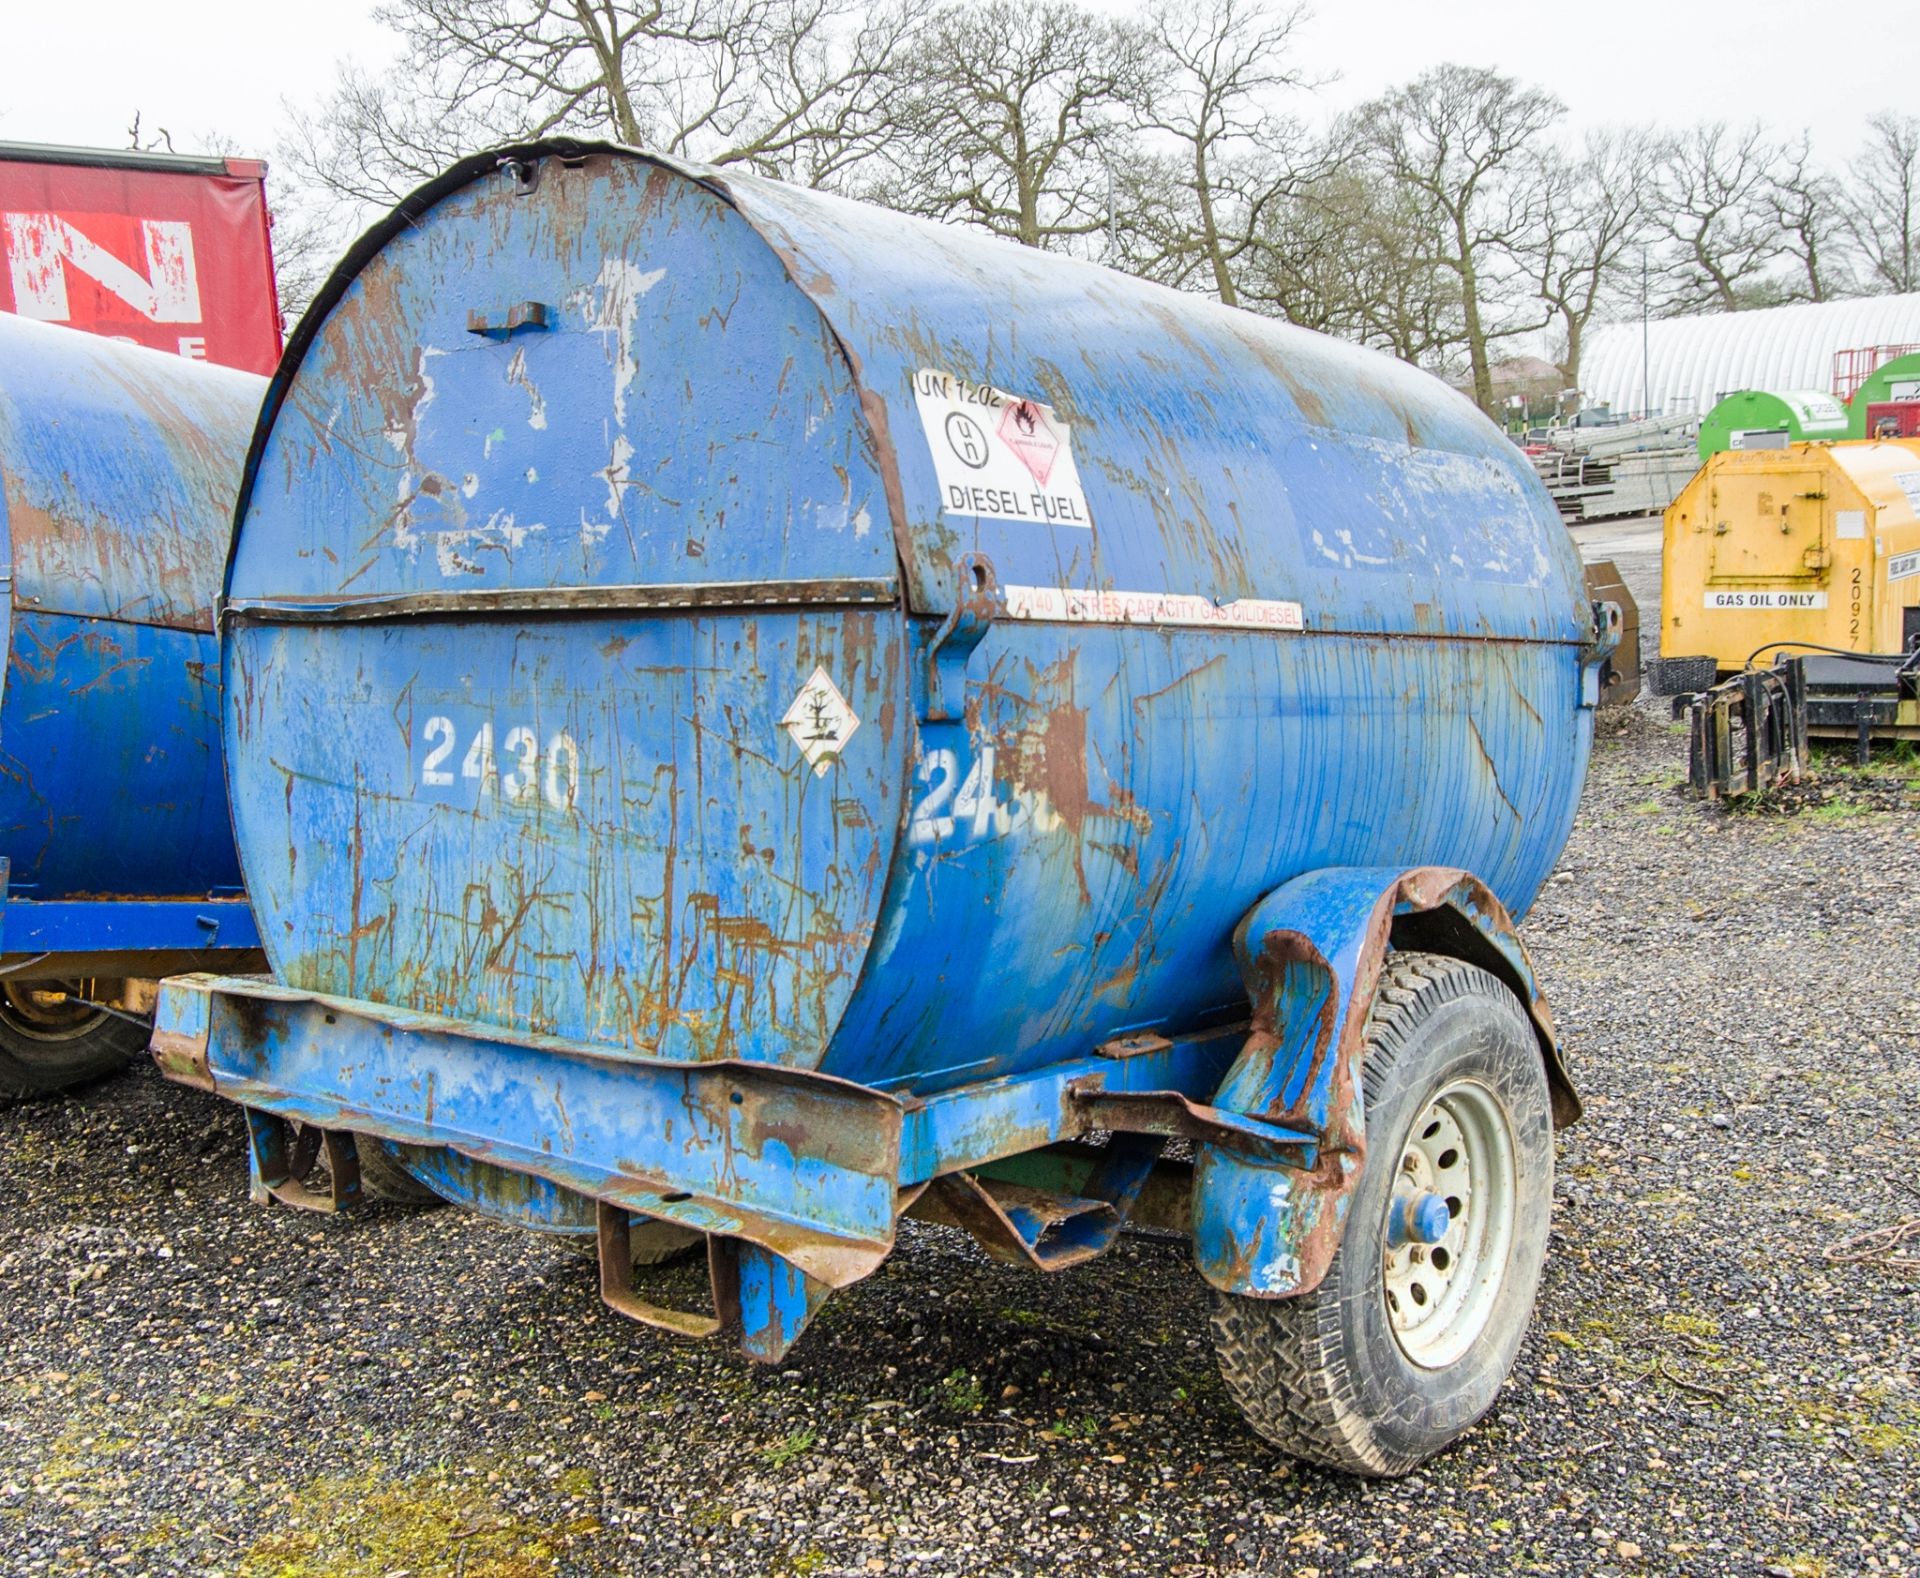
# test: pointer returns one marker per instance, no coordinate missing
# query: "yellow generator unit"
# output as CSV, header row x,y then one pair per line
x,y
1815,547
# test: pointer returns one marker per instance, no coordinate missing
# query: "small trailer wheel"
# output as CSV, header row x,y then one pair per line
x,y
655,1243
1407,1341
51,1037
383,1177
664,1243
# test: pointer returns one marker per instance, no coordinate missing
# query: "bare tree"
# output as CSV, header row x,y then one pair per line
x,y
539,65
796,88
1212,76
1148,218
1409,299
352,156
1883,202
1351,254
368,143
1309,266
1010,119
799,89
1593,226
1464,144
1721,237
1809,210
160,142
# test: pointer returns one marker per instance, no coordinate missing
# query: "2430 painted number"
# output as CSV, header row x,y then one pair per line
x,y
967,807
520,772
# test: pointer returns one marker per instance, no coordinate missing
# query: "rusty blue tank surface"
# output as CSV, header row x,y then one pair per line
x,y
752,712
118,469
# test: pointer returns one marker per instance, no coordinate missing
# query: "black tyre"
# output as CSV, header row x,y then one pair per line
x,y
1405,1345
383,1178
52,1038
655,1243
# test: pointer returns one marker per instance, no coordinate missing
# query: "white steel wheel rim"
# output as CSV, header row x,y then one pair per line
x,y
1440,1296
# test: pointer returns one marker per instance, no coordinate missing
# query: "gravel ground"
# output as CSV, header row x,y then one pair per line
x,y
193,1385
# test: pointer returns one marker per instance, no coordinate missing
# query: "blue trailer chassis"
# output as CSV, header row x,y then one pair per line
x,y
172,927
799,1179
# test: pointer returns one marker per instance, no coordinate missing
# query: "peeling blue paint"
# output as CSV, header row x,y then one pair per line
x,y
118,470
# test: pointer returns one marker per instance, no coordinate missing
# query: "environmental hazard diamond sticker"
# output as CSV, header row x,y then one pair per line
x,y
821,721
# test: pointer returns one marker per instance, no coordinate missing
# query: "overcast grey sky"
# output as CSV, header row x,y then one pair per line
x,y
75,73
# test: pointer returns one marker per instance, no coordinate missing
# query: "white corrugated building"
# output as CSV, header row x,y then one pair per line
x,y
1692,362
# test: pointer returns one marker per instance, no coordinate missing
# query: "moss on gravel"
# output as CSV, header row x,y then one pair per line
x,y
369,1525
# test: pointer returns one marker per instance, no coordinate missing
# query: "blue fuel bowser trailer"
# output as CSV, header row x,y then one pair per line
x,y
118,470
750,717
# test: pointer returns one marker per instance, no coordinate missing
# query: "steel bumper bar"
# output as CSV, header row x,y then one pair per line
x,y
802,1165
810,1168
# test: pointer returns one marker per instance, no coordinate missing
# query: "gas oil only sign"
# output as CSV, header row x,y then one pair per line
x,y
1762,597
999,455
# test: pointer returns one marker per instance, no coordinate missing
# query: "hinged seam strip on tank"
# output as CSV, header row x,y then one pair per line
x,y
716,595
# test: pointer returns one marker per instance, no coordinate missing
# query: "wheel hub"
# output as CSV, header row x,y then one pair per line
x,y
1450,1223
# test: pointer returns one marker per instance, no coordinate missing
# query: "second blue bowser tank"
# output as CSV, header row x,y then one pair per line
x,y
687,627
118,470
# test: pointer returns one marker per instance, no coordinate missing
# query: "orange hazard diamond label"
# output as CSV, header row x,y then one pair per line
x,y
1025,430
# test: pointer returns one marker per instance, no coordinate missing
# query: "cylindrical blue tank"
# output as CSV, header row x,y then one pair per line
x,y
689,614
118,470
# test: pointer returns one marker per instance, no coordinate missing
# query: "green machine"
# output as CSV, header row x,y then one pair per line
x,y
1887,404
1766,419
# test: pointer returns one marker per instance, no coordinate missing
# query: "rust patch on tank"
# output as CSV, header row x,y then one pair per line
x,y
1063,763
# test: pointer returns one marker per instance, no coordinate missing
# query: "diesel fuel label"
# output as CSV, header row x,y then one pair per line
x,y
999,455
1766,597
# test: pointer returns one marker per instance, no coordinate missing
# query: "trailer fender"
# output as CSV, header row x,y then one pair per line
x,y
1310,954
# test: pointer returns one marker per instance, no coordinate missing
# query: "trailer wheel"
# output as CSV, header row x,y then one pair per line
x,y
382,1176
52,1037
655,1243
1407,1341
